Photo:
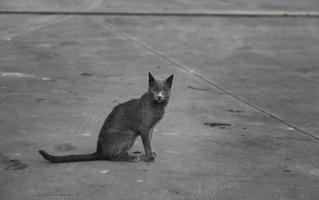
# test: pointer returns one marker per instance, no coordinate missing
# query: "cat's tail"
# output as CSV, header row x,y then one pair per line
x,y
70,158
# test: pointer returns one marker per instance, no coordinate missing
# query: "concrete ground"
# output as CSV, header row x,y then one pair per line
x,y
242,122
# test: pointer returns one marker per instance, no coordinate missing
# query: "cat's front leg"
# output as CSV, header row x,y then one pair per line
x,y
151,135
146,139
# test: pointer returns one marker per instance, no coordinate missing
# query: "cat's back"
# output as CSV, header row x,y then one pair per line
x,y
130,108
124,116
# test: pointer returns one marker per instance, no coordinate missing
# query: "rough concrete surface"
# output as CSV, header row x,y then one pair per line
x,y
157,6
242,122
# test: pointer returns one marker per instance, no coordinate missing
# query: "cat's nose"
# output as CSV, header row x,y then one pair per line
x,y
160,96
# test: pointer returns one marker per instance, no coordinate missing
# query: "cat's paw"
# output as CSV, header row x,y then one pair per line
x,y
134,159
148,158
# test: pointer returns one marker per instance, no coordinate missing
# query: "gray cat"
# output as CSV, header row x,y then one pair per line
x,y
127,121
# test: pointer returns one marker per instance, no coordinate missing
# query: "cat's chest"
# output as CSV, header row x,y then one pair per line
x,y
150,117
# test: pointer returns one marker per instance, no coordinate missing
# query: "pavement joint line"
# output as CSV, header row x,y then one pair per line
x,y
209,13
187,69
39,27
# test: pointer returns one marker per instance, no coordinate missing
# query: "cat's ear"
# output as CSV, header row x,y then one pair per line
x,y
169,81
151,79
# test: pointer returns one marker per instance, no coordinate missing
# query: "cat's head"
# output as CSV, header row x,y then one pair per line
x,y
160,89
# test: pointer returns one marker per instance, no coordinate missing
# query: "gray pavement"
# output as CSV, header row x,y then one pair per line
x,y
157,6
61,75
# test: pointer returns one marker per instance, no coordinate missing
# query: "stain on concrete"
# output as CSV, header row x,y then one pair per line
x,y
264,143
198,89
86,74
219,125
12,164
174,191
23,75
16,75
86,134
40,99
222,127
235,111
249,144
63,147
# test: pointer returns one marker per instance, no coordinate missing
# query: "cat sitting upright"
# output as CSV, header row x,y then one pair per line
x,y
127,121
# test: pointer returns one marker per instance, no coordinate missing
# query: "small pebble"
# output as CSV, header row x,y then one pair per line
x,y
86,134
104,171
